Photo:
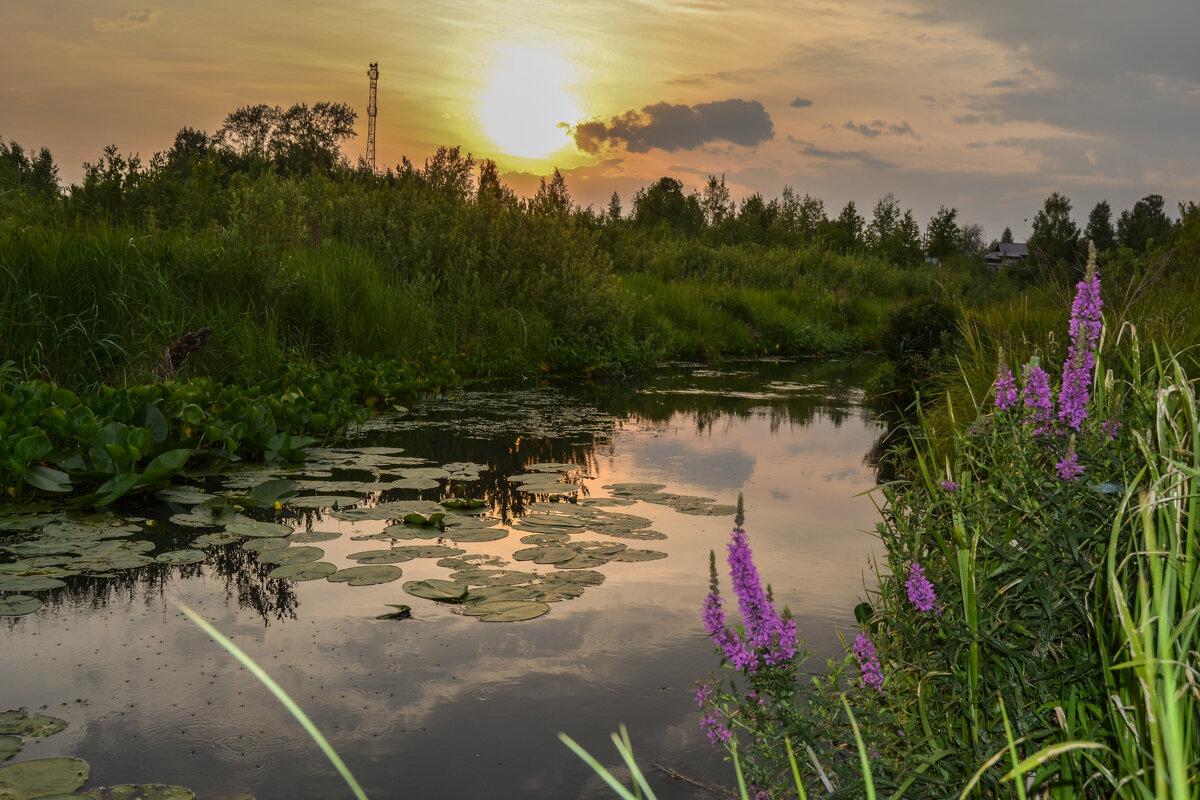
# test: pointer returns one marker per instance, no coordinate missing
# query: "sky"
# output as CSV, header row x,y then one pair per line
x,y
981,106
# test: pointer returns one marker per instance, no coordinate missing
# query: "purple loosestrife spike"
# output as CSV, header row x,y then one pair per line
x,y
1006,390
1036,396
920,590
1069,468
950,486
1086,324
868,661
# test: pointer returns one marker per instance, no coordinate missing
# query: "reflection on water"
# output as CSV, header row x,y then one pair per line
x,y
443,703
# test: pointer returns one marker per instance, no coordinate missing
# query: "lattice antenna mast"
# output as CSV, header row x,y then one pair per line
x,y
372,108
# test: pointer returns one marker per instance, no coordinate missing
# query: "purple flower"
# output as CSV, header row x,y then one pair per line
x,y
868,662
718,732
920,590
950,486
1069,468
703,693
765,638
1006,390
1110,427
1036,395
1086,324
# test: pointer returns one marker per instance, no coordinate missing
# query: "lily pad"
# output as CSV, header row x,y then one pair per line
x,y
367,575
41,777
28,583
334,501
402,612
507,610
33,726
291,555
436,589
394,510
269,543
10,746
425,472
188,556
307,571
492,577
429,550
18,605
552,466
544,555
254,528
217,538
488,594
183,495
140,791
632,554
306,537
381,557
474,535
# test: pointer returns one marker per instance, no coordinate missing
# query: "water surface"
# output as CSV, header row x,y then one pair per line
x,y
445,704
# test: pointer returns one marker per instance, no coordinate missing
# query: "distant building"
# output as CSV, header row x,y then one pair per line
x,y
1006,254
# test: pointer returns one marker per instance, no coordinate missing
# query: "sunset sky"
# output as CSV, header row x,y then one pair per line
x,y
985,106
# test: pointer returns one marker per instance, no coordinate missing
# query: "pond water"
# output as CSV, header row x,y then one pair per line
x,y
441,703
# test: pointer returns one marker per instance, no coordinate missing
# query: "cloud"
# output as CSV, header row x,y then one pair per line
x,y
678,127
975,119
861,156
878,127
130,22
801,102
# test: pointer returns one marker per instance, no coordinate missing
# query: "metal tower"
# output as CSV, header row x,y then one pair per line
x,y
373,74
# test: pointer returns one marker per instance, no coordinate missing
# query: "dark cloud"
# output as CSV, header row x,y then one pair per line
x,y
678,127
874,129
975,119
861,156
801,102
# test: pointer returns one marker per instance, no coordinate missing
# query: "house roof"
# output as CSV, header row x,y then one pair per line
x,y
1008,250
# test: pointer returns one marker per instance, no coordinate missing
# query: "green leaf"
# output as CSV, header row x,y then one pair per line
x,y
18,605
140,791
507,610
41,777
163,466
147,415
366,575
47,479
116,487
270,492
35,726
34,447
435,589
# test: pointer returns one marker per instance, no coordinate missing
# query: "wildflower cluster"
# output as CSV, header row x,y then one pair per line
x,y
920,590
868,662
1036,395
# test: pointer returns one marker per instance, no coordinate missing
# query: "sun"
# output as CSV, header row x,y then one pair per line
x,y
526,103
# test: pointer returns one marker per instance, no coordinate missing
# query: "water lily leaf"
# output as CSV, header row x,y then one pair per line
x,y
492,577
544,554
543,486
140,791
18,605
48,479
10,746
183,495
334,501
27,583
551,466
291,555
254,528
188,556
465,466
268,543
303,537
368,575
553,523
381,557
392,510
488,594
307,571
646,535
472,535
425,472
21,522
41,777
33,726
163,466
402,612
632,554
472,560
582,562
268,493
507,610
436,589
545,538
404,531
420,484
429,550
218,538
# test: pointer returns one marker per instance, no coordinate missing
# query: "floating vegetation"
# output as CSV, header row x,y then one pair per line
x,y
368,575
34,726
188,556
306,537
332,501
507,610
684,504
436,589
42,777
291,555
9,747
307,571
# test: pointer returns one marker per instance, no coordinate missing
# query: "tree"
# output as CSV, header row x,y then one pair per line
x,y
614,208
1099,230
552,199
845,233
664,203
884,221
942,235
490,188
299,140
35,173
972,241
715,201
1145,226
1006,237
1055,234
